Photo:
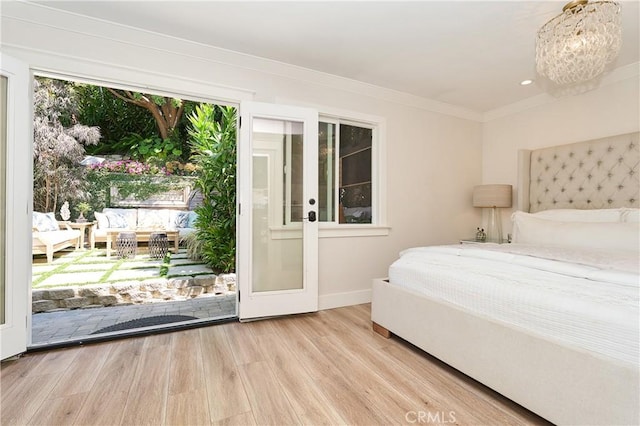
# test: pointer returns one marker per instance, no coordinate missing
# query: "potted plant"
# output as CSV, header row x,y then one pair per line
x,y
82,208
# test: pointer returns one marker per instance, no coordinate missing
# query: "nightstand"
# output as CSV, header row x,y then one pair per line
x,y
480,242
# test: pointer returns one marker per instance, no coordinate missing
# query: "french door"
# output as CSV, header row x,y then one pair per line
x,y
278,228
15,193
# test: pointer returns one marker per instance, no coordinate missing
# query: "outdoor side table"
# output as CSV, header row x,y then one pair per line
x,y
82,227
158,245
126,244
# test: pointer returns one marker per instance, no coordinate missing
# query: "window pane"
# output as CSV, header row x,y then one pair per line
x,y
355,174
356,168
326,171
295,164
353,139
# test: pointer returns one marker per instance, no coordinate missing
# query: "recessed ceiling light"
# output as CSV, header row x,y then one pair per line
x,y
526,82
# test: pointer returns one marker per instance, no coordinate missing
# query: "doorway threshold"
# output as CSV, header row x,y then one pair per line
x,y
79,326
128,333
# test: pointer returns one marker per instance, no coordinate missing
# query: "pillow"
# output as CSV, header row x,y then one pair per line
x,y
154,218
630,215
103,220
577,215
45,222
181,220
596,235
193,216
116,220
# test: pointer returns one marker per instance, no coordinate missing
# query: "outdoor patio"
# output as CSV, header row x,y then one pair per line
x,y
77,281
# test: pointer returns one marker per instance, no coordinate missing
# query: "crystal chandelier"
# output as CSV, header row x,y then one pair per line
x,y
576,45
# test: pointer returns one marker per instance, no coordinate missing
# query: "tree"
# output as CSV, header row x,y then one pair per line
x,y
166,111
58,145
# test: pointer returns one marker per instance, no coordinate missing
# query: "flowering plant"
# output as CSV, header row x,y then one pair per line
x,y
131,167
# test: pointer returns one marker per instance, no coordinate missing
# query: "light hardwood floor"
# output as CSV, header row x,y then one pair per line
x,y
323,368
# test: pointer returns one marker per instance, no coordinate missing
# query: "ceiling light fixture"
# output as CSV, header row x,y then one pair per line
x,y
576,45
526,82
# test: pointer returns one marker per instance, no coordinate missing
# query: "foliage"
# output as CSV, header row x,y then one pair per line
x,y
117,119
130,182
58,145
194,246
166,111
121,117
214,146
152,149
83,207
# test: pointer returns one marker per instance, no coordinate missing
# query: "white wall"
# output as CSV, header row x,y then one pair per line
x,y
611,109
433,150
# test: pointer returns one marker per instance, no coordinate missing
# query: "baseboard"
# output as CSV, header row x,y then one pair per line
x,y
337,300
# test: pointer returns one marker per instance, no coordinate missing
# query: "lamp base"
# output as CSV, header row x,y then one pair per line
x,y
494,227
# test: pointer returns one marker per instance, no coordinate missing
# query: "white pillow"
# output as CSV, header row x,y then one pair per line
x,y
630,215
116,220
577,215
45,222
597,235
103,220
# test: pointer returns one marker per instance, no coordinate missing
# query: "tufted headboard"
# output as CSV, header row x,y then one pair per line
x,y
597,174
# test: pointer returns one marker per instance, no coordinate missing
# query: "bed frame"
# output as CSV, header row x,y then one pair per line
x,y
562,384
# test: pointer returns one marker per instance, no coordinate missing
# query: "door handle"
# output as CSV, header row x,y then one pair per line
x,y
312,216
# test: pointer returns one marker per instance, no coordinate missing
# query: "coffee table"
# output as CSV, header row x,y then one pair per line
x,y
142,235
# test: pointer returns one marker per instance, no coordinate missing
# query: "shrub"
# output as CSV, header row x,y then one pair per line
x,y
213,144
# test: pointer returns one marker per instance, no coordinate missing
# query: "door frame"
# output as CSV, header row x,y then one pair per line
x,y
253,305
15,333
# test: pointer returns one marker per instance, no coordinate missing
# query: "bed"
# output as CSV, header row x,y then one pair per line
x,y
550,321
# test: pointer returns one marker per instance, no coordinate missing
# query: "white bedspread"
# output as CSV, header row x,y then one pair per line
x,y
582,299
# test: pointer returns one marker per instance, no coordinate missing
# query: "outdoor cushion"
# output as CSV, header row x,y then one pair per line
x,y
56,237
103,220
45,222
182,220
131,215
192,219
116,220
154,218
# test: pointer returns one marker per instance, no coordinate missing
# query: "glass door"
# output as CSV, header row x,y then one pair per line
x,y
278,235
15,171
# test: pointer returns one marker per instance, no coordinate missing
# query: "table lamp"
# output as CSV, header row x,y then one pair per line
x,y
494,197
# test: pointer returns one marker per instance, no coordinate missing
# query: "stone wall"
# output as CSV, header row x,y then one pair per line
x,y
130,292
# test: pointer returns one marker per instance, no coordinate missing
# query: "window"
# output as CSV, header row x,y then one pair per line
x,y
346,172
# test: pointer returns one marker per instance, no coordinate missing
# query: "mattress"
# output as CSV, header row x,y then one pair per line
x,y
583,299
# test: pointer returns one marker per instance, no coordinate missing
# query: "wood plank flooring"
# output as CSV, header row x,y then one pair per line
x,y
317,369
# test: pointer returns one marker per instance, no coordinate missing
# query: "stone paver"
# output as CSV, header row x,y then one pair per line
x,y
74,278
183,270
41,269
134,274
89,267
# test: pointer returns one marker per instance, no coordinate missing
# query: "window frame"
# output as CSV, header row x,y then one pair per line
x,y
378,225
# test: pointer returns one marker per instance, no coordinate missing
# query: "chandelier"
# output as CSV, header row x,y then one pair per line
x,y
576,45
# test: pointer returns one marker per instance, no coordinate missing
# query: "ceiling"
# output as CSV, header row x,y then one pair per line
x,y
471,54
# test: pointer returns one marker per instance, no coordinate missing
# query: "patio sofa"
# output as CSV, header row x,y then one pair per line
x,y
143,218
50,235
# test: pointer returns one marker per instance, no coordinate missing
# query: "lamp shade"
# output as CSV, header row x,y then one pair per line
x,y
492,196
